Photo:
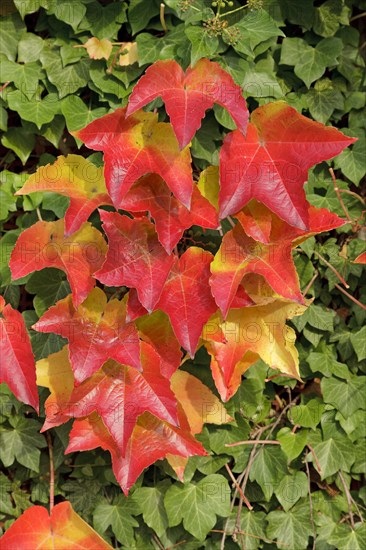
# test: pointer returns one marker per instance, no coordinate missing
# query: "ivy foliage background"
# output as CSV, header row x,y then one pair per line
x,y
309,489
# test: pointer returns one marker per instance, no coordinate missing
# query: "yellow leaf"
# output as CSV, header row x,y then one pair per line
x,y
129,54
98,49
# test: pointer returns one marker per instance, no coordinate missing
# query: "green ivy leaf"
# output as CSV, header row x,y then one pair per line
x,y
308,415
119,516
20,141
203,44
269,466
49,285
358,340
151,502
334,454
22,442
346,396
291,488
39,111
198,504
292,443
291,529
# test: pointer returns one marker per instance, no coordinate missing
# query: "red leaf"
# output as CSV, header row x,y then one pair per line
x,y
151,440
240,255
157,331
170,216
74,177
135,257
44,245
270,164
96,331
186,297
120,394
17,362
361,259
188,95
136,146
64,530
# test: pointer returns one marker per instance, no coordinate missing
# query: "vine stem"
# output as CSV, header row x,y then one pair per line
x,y
339,196
254,442
350,296
52,471
230,12
249,506
349,499
315,458
310,284
332,268
311,505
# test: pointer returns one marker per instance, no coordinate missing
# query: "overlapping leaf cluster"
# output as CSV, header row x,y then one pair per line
x,y
330,345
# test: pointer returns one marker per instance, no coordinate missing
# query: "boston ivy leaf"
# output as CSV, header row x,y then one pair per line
x,y
150,433
119,394
136,146
135,257
260,330
185,99
21,442
45,245
198,504
345,395
290,529
171,218
54,372
281,145
186,296
64,528
156,329
17,361
74,177
118,515
96,330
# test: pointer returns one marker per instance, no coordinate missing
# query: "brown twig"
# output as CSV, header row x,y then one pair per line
x,y
249,506
52,471
336,189
332,268
253,442
310,284
348,192
311,504
4,86
349,499
350,296
315,458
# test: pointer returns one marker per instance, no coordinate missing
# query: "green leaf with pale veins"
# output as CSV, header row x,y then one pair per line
x,y
268,468
198,504
345,395
22,442
333,454
49,286
291,529
119,516
291,488
202,43
151,502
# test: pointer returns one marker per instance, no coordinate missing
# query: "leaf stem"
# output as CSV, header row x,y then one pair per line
x,y
336,189
332,268
349,499
254,442
230,12
52,471
350,296
315,458
310,284
162,17
249,506
311,504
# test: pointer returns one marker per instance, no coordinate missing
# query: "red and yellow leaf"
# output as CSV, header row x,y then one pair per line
x,y
120,394
96,331
136,146
74,177
240,254
270,164
188,95
79,255
259,329
186,297
151,440
135,257
361,259
170,216
17,362
63,530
